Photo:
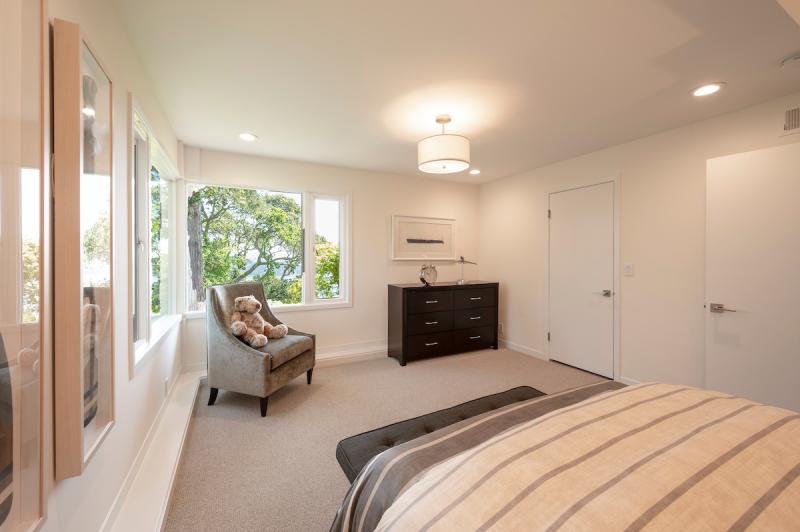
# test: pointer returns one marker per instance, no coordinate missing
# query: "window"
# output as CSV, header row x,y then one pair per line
x,y
243,234
327,248
150,230
159,244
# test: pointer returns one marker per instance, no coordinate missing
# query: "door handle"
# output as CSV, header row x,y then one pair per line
x,y
431,301
719,308
475,298
430,344
474,337
607,293
431,323
475,318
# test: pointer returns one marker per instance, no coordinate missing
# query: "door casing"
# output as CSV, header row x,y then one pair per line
x,y
614,180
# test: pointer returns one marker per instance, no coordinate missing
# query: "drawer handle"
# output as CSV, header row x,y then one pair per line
x,y
475,317
431,344
431,302
431,323
474,337
475,298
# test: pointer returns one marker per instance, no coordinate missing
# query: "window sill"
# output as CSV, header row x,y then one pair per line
x,y
278,310
158,330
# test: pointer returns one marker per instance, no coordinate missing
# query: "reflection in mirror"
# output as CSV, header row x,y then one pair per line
x,y
95,228
20,274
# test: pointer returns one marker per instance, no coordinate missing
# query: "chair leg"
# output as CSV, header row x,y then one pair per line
x,y
308,375
264,401
212,396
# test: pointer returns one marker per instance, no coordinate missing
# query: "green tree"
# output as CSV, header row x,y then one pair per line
x,y
30,282
96,240
155,241
327,272
245,235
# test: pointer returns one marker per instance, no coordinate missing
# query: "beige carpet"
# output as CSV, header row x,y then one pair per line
x,y
240,471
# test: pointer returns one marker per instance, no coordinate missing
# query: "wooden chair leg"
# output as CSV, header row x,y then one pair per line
x,y
264,401
308,375
212,396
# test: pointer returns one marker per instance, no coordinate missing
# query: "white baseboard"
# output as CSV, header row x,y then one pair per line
x,y
148,490
347,353
519,348
193,368
137,461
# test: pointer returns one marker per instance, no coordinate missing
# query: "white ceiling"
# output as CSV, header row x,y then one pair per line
x,y
357,83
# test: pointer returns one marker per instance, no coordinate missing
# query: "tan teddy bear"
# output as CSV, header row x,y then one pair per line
x,y
247,323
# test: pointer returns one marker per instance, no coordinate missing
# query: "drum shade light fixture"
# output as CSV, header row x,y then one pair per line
x,y
443,153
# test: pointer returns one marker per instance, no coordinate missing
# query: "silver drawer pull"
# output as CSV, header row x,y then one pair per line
x,y
431,344
475,298
431,323
474,337
475,317
432,301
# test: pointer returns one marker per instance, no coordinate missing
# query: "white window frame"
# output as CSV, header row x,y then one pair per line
x,y
149,153
310,301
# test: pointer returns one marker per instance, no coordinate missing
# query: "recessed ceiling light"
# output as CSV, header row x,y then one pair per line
x,y
708,88
247,137
474,171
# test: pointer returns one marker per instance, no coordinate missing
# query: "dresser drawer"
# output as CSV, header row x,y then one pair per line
x,y
473,298
429,301
429,322
479,317
475,338
429,345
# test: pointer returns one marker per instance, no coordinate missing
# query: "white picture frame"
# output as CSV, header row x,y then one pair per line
x,y
423,238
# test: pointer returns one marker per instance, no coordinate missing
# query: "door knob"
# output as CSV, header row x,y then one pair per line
x,y
719,308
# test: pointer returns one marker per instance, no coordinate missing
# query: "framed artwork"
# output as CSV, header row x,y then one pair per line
x,y
23,263
82,191
420,238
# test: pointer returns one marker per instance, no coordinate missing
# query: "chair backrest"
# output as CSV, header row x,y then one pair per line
x,y
220,298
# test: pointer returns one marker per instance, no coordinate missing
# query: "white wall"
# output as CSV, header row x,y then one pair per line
x,y
82,503
662,231
374,198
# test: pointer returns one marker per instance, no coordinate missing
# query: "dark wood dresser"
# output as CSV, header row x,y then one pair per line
x,y
446,318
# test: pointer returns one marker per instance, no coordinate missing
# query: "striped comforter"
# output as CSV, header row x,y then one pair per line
x,y
653,456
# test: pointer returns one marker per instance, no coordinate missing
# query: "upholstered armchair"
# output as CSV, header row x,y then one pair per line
x,y
235,366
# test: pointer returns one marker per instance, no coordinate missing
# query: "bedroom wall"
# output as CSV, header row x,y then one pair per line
x,y
375,197
662,230
82,503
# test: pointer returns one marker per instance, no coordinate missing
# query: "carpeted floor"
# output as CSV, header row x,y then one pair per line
x,y
240,471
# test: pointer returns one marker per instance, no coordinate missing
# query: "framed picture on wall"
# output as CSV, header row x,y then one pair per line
x,y
83,221
421,238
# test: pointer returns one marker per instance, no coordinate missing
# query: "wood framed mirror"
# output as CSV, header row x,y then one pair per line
x,y
83,244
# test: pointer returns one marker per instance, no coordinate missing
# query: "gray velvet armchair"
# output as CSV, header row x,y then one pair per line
x,y
237,367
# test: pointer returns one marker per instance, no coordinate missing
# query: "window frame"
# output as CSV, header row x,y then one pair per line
x,y
310,301
151,328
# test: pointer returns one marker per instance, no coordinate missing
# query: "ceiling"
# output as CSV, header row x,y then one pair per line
x,y
357,83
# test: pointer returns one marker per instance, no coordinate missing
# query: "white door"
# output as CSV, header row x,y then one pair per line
x,y
582,278
753,268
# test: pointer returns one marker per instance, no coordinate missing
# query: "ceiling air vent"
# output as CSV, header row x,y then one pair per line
x,y
791,121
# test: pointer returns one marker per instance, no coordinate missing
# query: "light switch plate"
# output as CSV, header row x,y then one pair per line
x,y
627,269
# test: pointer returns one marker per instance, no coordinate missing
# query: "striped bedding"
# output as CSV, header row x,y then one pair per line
x,y
652,456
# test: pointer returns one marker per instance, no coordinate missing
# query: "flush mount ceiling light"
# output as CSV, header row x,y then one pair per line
x,y
443,153
708,88
247,137
474,171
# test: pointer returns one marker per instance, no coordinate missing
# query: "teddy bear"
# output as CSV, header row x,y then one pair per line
x,y
247,323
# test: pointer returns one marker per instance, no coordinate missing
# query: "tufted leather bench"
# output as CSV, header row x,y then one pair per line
x,y
354,452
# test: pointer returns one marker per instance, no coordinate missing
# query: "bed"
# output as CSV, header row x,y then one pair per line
x,y
601,457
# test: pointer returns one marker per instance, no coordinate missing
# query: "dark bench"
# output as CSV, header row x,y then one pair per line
x,y
354,452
